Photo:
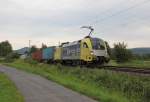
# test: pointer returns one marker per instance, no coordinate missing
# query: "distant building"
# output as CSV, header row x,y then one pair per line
x,y
22,51
23,56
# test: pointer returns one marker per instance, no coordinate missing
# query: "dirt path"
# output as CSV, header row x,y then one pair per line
x,y
37,89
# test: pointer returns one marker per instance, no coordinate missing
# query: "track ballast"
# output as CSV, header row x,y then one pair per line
x,y
126,69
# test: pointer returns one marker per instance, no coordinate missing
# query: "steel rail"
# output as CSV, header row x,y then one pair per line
x,y
126,69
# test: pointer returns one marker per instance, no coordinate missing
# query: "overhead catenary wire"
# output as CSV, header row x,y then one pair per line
x,y
139,4
120,12
109,9
100,21
126,23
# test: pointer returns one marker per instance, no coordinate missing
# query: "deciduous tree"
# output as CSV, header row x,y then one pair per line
x,y
121,53
5,48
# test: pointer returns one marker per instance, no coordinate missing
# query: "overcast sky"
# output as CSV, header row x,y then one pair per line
x,y
54,21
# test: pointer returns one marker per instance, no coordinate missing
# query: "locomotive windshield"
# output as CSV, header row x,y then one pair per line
x,y
98,44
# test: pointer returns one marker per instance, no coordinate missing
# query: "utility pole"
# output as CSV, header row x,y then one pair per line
x,y
29,43
29,47
0,51
59,43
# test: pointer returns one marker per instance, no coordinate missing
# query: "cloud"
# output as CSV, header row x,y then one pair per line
x,y
53,21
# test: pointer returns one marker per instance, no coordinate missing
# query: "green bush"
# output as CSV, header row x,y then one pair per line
x,y
30,61
11,57
121,53
5,48
1,59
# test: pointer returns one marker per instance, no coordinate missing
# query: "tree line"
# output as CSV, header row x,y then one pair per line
x,y
5,48
34,48
119,52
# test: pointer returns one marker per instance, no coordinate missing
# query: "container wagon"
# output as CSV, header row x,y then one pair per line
x,y
37,55
57,54
48,54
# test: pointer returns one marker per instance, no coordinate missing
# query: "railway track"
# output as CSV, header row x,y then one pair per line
x,y
127,69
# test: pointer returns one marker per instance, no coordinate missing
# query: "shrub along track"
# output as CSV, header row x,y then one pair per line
x,y
104,85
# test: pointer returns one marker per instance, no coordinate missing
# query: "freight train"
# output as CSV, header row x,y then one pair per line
x,y
88,50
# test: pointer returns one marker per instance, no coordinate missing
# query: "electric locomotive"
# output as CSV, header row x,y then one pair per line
x,y
89,50
86,51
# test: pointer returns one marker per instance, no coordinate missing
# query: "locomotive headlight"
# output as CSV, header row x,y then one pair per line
x,y
92,53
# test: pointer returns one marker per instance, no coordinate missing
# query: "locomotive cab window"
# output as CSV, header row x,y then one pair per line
x,y
97,44
102,47
85,45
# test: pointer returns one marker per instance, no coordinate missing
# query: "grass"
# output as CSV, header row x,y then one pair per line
x,y
102,85
8,92
132,63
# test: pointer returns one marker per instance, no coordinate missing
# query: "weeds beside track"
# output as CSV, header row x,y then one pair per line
x,y
103,85
125,69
